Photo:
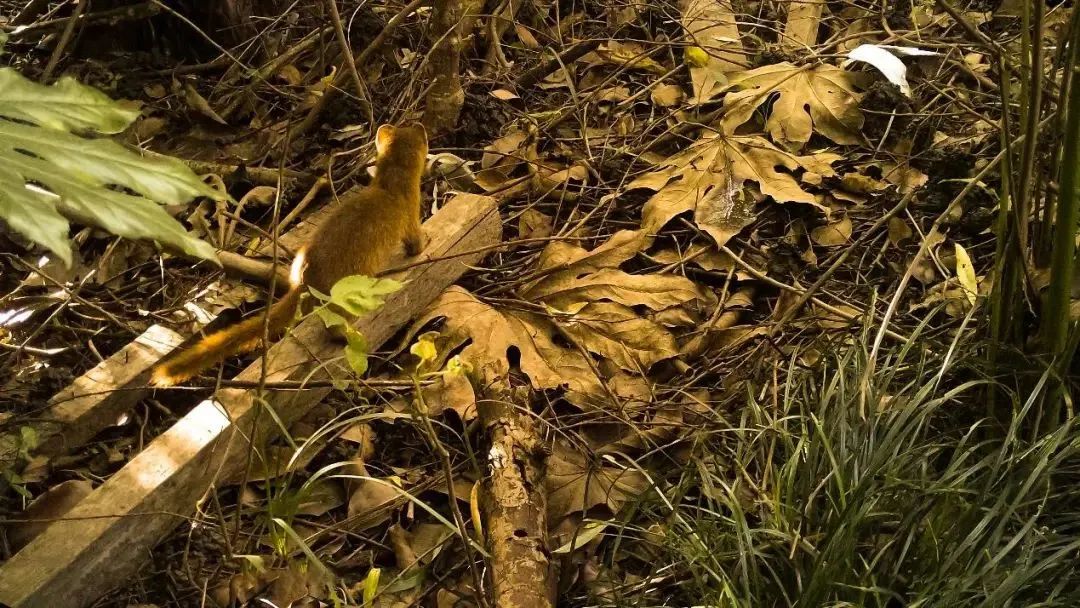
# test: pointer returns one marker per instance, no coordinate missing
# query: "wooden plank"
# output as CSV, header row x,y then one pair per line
x,y
97,398
94,400
108,536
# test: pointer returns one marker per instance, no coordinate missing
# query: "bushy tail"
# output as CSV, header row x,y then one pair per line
x,y
214,348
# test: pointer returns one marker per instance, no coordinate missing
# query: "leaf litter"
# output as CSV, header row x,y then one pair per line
x,y
667,196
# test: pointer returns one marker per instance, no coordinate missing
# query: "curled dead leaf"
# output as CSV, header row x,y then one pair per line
x,y
667,95
575,485
833,234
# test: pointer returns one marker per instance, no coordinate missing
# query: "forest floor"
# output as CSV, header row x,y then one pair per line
x,y
745,279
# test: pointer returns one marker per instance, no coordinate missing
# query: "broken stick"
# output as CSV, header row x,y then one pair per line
x,y
103,541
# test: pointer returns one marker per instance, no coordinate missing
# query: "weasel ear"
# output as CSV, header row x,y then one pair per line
x,y
383,137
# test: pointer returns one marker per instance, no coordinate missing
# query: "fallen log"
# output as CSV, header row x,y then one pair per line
x,y
102,542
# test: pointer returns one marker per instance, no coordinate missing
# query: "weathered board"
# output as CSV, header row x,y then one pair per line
x,y
103,541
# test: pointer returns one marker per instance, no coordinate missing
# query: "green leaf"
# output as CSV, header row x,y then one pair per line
x,y
359,294
256,562
318,294
356,352
49,176
33,214
103,162
329,317
66,105
28,440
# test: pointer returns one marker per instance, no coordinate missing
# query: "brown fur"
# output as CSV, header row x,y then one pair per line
x,y
358,238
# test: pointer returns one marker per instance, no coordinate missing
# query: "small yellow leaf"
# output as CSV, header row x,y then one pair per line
x,y
424,348
965,272
695,56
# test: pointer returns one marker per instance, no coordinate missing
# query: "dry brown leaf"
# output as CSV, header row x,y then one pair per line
x,y
654,291
822,98
707,258
631,55
833,234
503,157
618,333
526,37
858,183
155,90
499,152
667,95
491,332
899,231
321,497
294,583
622,246
371,502
504,95
551,178
905,177
575,486
533,224
198,103
706,178
449,391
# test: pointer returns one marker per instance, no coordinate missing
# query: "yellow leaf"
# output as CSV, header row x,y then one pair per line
x,y
965,272
424,347
695,56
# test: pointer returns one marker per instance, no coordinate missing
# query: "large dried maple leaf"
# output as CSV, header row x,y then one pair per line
x,y
490,332
822,98
707,178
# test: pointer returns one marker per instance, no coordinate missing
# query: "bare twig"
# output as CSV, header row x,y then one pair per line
x,y
350,62
65,38
570,55
108,17
317,108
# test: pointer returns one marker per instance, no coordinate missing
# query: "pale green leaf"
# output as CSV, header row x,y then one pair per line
x,y
103,162
359,294
66,105
329,317
371,586
33,214
424,347
356,352
91,181
585,534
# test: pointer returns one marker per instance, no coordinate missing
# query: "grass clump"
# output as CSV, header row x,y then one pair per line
x,y
805,502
